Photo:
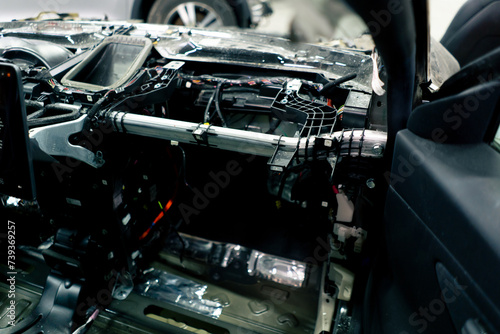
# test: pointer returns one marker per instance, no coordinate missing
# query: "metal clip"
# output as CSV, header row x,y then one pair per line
x,y
200,134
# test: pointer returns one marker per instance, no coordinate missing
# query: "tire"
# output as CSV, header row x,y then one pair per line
x,y
207,13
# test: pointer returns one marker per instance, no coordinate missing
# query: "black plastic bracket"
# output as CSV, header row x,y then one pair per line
x,y
281,158
55,311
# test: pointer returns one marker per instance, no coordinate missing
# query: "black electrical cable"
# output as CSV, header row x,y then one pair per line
x,y
217,103
307,146
183,250
328,89
91,114
183,169
206,116
286,173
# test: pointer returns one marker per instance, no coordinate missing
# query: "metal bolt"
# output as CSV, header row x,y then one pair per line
x,y
284,101
370,183
378,149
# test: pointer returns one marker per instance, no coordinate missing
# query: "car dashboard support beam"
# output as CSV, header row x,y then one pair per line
x,y
360,142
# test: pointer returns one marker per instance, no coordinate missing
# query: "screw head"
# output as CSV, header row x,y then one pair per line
x,y
370,183
378,149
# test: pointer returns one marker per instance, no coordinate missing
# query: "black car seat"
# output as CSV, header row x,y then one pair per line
x,y
474,31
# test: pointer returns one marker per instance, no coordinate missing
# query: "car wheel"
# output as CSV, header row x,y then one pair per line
x,y
200,13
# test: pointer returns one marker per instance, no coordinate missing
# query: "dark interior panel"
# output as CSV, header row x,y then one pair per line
x,y
442,207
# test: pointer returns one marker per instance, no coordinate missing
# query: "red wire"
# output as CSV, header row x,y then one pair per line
x,y
167,206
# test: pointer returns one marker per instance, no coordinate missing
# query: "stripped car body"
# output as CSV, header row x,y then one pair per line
x,y
188,180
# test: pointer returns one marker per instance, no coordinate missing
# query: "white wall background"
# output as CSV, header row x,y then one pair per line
x,y
441,13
